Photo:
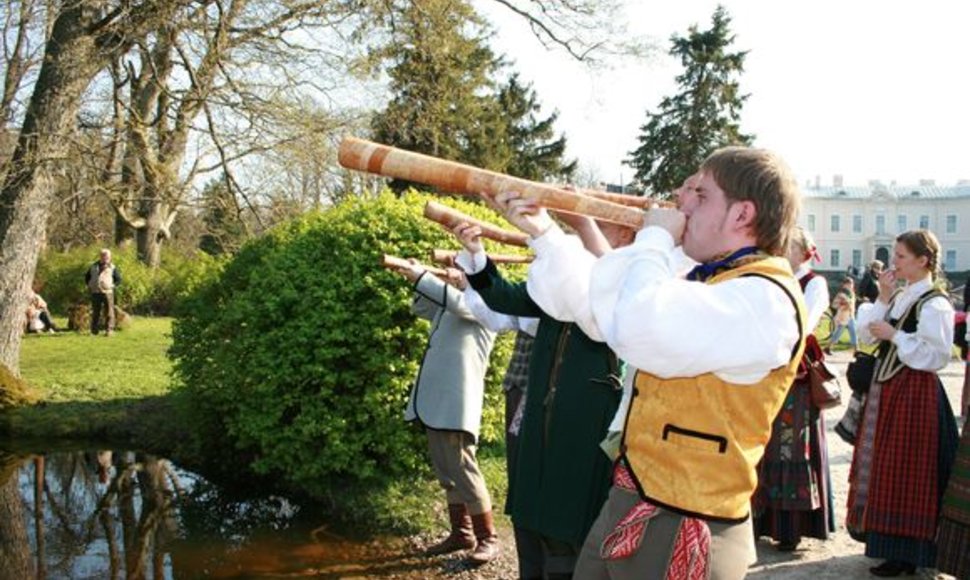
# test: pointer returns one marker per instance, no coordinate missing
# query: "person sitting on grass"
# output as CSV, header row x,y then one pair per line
x,y
38,316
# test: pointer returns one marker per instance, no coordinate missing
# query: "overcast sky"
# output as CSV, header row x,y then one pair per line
x,y
860,88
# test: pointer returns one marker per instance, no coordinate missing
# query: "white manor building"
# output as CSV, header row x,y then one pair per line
x,y
854,225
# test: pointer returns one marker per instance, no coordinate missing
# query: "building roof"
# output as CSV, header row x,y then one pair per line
x,y
900,192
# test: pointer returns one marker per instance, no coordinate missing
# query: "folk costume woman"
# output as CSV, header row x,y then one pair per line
x,y
908,436
794,496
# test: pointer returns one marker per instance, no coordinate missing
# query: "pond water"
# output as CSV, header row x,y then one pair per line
x,y
125,515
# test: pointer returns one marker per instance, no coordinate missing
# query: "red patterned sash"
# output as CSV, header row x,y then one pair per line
x,y
691,555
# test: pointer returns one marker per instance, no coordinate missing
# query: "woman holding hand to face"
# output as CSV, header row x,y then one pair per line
x,y
908,435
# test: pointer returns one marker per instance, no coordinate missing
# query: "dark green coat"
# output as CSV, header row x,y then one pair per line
x,y
562,476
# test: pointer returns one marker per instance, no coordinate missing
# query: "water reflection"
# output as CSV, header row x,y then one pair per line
x,y
110,514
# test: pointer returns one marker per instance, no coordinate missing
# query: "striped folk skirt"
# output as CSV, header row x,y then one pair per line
x,y
794,495
902,461
954,538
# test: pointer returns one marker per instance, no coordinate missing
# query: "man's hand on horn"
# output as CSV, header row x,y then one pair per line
x,y
523,213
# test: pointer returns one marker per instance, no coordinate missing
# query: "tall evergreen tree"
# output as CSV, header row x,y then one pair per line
x,y
535,152
447,103
703,116
440,77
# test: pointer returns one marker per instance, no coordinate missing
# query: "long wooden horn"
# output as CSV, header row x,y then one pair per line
x,y
451,217
640,201
447,258
454,177
394,263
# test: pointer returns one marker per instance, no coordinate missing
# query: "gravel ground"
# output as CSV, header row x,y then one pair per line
x,y
839,557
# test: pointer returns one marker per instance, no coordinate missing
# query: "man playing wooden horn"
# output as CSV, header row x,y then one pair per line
x,y
447,399
561,476
714,354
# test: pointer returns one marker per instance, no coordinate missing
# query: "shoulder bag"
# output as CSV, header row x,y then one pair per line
x,y
860,371
824,387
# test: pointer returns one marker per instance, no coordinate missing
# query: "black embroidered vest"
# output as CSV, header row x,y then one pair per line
x,y
888,364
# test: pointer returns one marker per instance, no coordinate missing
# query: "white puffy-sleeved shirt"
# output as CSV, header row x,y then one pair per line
x,y
497,321
816,296
657,321
927,349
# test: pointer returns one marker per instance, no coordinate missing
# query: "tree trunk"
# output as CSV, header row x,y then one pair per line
x,y
150,240
70,63
15,557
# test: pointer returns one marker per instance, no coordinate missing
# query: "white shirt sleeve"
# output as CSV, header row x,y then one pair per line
x,y
869,312
739,329
929,348
494,321
559,279
816,300
471,263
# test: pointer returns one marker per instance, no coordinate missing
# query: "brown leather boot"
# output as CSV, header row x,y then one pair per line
x,y
461,536
487,548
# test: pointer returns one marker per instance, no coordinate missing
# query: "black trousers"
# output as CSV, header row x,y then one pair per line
x,y
99,302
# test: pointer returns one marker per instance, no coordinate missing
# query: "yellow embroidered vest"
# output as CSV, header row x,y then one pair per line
x,y
693,443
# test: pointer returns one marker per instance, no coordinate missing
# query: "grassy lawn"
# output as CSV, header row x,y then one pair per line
x,y
97,388
70,366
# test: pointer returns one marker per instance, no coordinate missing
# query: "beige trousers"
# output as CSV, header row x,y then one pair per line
x,y
455,465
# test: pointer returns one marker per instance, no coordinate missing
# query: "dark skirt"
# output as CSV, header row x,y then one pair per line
x,y
954,537
900,467
794,495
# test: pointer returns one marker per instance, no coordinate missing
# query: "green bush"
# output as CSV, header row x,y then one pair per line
x,y
60,278
298,359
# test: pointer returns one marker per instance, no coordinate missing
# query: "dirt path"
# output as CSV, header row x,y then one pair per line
x,y
839,557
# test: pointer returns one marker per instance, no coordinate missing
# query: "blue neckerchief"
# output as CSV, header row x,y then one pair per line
x,y
702,272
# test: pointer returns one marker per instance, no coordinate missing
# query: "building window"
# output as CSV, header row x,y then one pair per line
x,y
811,222
950,264
835,223
834,258
857,258
900,223
880,225
951,224
924,222
857,224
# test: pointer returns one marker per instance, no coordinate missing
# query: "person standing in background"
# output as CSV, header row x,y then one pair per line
x,y
844,318
794,495
101,279
869,285
447,399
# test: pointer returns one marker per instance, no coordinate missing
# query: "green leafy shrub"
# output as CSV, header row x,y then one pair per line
x,y
298,359
60,278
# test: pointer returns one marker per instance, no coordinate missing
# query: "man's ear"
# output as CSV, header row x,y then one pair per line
x,y
744,214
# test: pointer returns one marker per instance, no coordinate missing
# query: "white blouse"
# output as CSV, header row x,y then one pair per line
x,y
816,296
927,349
